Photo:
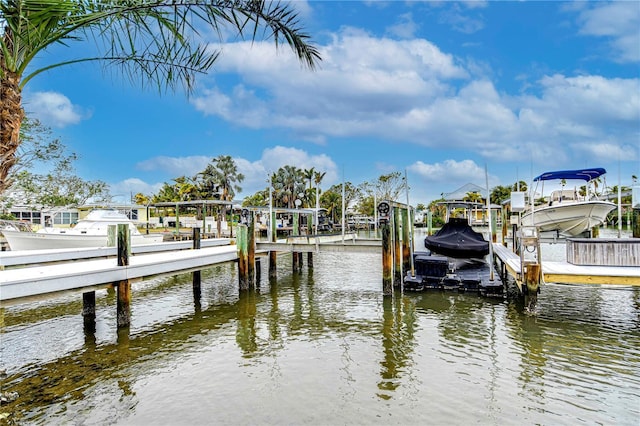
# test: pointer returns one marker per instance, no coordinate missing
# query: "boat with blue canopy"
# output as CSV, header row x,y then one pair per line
x,y
572,209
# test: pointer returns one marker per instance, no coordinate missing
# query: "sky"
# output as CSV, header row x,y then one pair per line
x,y
440,90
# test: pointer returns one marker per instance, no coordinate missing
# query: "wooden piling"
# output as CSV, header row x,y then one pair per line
x,y
243,270
258,271
310,260
397,251
532,277
295,261
196,275
124,286
273,269
273,255
89,311
406,251
251,251
387,260
635,223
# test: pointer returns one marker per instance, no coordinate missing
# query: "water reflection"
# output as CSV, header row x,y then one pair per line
x,y
325,339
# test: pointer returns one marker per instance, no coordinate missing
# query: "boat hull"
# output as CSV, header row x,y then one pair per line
x,y
571,219
37,241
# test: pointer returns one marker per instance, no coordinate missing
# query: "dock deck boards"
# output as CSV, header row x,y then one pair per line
x,y
37,280
564,272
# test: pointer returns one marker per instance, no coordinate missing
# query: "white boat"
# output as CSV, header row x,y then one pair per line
x,y
89,232
566,211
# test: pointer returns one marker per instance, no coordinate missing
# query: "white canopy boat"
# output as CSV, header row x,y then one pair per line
x,y
567,212
89,232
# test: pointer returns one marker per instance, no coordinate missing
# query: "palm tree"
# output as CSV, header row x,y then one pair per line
x,y
317,179
155,40
221,177
475,198
287,183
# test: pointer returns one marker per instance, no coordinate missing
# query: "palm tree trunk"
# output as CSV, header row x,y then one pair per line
x,y
11,115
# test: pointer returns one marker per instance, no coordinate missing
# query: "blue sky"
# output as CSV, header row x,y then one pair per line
x,y
439,89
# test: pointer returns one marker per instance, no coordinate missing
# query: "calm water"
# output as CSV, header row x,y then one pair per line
x,y
324,347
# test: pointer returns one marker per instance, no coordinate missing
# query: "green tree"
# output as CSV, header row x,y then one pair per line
x,y
500,194
38,147
259,199
472,197
332,201
159,42
60,187
390,186
221,178
57,184
141,199
288,183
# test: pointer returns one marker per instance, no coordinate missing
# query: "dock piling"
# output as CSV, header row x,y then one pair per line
x,y
384,210
397,249
124,286
197,276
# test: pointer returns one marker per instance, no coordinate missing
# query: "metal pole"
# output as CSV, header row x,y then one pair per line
x,y
486,175
406,183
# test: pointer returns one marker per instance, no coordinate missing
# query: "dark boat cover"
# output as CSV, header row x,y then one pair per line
x,y
457,239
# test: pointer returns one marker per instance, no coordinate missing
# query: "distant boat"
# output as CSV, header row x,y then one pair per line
x,y
566,212
457,239
89,232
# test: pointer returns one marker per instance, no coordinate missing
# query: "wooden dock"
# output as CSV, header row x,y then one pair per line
x,y
567,273
86,275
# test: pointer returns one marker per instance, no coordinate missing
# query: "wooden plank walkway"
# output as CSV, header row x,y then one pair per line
x,y
38,280
566,273
26,257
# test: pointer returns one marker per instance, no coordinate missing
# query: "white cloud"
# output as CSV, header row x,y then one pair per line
x,y
404,28
423,96
449,171
256,172
619,21
176,166
53,109
127,188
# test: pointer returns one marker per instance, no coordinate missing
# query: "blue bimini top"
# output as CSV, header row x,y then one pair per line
x,y
583,174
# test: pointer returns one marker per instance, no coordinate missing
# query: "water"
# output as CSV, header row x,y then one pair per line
x,y
324,347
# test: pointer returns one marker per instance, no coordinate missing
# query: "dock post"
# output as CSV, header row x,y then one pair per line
x,y
124,286
494,228
429,222
406,252
89,311
241,243
635,223
310,260
196,275
397,251
387,253
273,258
251,251
273,255
258,271
112,235
532,278
295,259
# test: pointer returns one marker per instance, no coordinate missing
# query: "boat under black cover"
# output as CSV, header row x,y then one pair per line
x,y
457,239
